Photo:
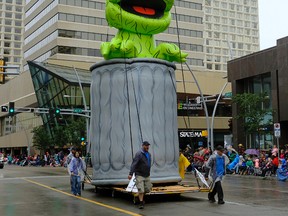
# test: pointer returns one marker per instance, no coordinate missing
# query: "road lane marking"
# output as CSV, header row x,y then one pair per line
x,y
33,177
232,203
84,199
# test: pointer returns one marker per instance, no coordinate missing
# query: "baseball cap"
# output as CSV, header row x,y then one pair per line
x,y
220,148
146,143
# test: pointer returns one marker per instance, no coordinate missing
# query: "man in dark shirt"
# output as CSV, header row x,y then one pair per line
x,y
141,166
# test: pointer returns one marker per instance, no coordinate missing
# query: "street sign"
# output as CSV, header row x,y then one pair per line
x,y
4,108
228,95
277,130
189,106
77,110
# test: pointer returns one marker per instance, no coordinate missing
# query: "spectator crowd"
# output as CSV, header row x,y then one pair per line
x,y
242,162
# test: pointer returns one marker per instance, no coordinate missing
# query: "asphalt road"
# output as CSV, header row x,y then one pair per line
x,y
45,191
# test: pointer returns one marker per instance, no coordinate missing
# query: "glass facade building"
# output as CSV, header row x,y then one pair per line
x,y
58,87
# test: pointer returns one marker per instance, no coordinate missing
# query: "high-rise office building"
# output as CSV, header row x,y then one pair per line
x,y
75,29
212,32
231,31
11,34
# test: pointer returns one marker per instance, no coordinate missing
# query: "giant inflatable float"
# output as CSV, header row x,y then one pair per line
x,y
133,94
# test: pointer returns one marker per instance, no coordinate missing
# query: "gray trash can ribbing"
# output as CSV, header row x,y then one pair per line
x,y
123,115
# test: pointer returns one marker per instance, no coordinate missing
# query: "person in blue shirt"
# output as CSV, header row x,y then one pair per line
x,y
217,164
141,166
76,168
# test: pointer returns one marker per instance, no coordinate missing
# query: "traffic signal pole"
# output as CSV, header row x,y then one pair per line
x,y
84,113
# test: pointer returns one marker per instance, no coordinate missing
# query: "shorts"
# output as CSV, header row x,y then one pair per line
x,y
143,184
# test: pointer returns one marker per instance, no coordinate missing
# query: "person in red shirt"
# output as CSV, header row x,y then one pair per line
x,y
282,154
275,162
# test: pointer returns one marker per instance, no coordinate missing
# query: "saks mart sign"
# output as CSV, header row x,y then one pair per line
x,y
190,134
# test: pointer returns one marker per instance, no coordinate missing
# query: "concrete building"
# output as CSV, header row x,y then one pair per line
x,y
11,34
70,33
264,71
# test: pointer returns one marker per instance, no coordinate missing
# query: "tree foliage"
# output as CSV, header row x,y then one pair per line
x,y
254,111
74,129
41,139
61,135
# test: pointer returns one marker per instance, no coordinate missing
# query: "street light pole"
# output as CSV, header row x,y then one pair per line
x,y
85,105
213,115
204,103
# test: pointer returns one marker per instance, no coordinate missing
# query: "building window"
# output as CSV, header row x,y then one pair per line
x,y
18,23
18,16
8,29
8,15
217,67
18,30
209,66
17,38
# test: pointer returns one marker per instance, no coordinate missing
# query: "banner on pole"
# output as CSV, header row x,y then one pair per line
x,y
202,178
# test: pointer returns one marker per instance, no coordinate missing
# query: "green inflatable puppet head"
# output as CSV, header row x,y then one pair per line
x,y
137,21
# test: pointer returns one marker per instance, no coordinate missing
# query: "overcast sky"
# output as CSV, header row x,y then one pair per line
x,y
273,17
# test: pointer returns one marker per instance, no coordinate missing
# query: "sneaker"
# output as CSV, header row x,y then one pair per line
x,y
221,202
141,205
212,200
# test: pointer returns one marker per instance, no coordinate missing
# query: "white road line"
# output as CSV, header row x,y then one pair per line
x,y
33,177
232,203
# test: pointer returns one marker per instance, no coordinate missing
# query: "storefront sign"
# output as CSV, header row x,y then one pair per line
x,y
190,134
189,106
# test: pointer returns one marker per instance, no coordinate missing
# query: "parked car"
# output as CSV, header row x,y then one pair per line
x,y
1,161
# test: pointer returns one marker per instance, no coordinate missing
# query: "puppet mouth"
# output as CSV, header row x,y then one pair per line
x,y
145,8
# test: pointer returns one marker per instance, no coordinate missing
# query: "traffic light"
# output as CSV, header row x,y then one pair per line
x,y
2,70
82,136
11,108
57,111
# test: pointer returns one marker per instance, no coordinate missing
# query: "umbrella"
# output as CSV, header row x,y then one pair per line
x,y
252,152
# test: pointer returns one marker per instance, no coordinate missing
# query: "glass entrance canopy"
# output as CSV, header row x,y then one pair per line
x,y
58,87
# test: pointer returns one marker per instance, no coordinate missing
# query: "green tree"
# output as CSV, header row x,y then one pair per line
x,y
61,135
74,128
41,139
254,111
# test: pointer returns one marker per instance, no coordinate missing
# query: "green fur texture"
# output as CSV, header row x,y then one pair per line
x,y
135,37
